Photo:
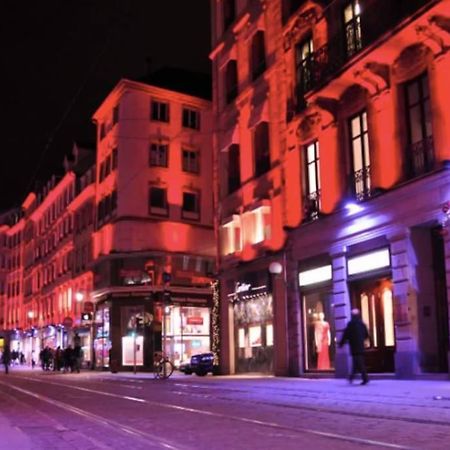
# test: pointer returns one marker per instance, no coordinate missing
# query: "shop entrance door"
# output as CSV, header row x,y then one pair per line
x,y
375,301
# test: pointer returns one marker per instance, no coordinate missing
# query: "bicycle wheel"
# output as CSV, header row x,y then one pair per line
x,y
166,369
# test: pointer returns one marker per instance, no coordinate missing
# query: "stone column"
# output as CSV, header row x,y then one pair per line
x,y
341,301
405,305
447,278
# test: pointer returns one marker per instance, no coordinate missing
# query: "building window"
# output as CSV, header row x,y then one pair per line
x,y
158,201
420,152
312,180
191,119
261,149
304,68
160,111
258,55
234,168
359,137
158,155
102,131
108,166
229,13
231,81
352,26
190,161
115,115
191,206
114,158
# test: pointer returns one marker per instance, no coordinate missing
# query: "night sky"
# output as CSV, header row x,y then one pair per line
x,y
60,58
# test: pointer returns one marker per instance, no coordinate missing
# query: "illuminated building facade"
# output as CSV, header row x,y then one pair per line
x,y
154,244
356,144
40,308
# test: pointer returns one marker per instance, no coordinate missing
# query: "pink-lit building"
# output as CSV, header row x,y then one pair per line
x,y
332,147
42,305
154,217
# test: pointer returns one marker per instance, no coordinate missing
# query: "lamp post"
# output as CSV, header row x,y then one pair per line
x,y
280,318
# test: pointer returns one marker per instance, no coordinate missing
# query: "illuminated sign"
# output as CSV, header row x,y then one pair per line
x,y
369,261
313,276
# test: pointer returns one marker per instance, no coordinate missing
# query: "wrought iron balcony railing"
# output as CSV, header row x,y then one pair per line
x,y
376,19
420,158
361,183
311,206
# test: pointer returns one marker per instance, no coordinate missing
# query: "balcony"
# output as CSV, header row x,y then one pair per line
x,y
376,19
420,158
361,183
311,206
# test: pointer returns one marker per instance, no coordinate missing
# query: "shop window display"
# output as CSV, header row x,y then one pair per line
x,y
319,333
254,334
187,332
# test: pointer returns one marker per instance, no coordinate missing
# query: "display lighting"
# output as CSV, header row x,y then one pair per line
x,y
317,275
353,208
215,317
79,296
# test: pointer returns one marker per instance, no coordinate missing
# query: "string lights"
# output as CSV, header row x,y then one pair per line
x,y
215,321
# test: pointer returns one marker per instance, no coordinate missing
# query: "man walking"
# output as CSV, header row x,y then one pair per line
x,y
6,358
355,334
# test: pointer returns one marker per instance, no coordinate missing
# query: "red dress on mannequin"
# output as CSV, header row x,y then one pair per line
x,y
322,337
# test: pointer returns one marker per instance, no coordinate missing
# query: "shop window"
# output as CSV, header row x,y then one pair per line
x,y
304,58
318,331
420,151
261,148
352,27
359,138
231,81
158,155
312,200
258,54
191,118
190,161
158,201
160,111
234,168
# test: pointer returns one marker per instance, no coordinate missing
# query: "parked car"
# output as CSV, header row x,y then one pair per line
x,y
200,364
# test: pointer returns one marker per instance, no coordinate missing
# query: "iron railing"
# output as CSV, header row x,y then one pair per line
x,y
420,157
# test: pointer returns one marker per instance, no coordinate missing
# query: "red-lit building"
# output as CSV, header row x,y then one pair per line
x,y
42,304
332,120
154,239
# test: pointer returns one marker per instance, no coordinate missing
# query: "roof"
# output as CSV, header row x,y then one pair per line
x,y
180,80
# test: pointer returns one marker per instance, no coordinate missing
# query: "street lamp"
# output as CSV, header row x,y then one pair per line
x,y
279,318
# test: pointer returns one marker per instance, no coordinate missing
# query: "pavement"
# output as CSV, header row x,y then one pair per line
x,y
422,399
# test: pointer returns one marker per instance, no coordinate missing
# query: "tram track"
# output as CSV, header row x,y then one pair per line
x,y
223,416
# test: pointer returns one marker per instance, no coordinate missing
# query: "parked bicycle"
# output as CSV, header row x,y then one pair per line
x,y
162,366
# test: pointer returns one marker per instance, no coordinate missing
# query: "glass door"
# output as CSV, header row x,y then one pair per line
x,y
375,300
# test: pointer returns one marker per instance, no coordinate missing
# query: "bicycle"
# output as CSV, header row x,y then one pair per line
x,y
162,366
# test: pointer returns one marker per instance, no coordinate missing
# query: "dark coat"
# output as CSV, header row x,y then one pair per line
x,y
355,334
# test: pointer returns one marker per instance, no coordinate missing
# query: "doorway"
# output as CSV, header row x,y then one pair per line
x,y
374,299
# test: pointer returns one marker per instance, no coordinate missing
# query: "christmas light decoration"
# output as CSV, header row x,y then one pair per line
x,y
216,321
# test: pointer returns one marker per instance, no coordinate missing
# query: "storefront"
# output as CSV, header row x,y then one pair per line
x,y
102,339
315,282
371,291
253,320
188,331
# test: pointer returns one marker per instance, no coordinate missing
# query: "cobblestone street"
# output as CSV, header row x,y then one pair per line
x,y
95,410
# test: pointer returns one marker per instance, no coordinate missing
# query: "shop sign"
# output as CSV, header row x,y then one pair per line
x,y
193,320
88,307
369,261
242,287
68,322
313,276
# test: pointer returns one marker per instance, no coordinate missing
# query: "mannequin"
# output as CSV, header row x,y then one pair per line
x,y
322,339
